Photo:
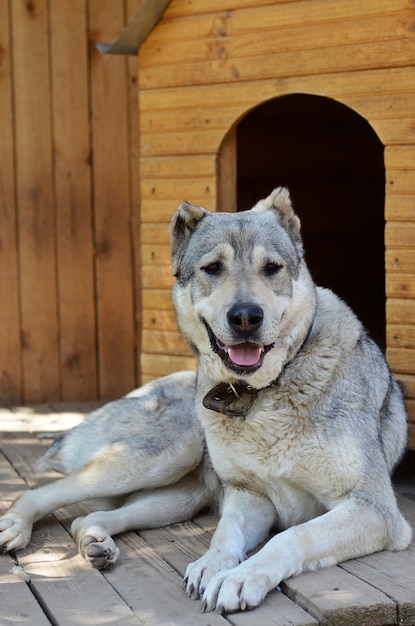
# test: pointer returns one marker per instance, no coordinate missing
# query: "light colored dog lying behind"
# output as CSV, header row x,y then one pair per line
x,y
142,457
301,416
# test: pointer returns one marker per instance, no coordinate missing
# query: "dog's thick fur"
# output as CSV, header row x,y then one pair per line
x,y
302,418
140,461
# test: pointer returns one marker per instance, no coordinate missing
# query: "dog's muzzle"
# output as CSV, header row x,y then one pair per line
x,y
243,357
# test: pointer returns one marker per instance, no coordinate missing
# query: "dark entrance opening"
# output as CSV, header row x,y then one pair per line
x,y
332,161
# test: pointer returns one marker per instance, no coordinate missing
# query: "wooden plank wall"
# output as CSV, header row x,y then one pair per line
x,y
207,64
68,203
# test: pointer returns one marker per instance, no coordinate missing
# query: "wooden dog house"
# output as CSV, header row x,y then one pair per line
x,y
236,97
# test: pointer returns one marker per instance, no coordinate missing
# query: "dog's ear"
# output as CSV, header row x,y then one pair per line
x,y
279,201
184,221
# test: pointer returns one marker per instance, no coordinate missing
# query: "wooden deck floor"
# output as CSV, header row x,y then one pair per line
x,y
49,583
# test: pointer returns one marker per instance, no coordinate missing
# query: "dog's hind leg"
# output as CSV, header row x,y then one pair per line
x,y
108,474
146,509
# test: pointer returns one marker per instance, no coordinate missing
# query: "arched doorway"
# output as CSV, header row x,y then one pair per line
x,y
332,161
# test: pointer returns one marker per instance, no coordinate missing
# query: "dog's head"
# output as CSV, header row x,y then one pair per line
x,y
243,295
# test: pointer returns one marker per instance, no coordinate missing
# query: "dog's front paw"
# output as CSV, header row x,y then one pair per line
x,y
95,545
15,532
238,589
199,573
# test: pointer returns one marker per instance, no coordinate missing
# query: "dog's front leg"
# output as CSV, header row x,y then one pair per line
x,y
350,530
245,521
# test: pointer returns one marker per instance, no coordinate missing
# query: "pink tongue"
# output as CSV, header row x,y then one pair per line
x,y
245,353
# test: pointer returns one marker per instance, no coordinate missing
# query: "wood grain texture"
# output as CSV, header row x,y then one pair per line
x,y
164,342
10,362
206,65
16,598
280,12
68,177
73,192
145,586
364,84
271,39
112,214
155,365
344,58
35,199
399,207
336,597
135,202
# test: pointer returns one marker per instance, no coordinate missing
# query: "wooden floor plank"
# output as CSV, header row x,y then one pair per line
x,y
18,604
42,418
73,593
406,501
145,587
12,485
333,596
393,573
23,451
182,543
153,589
179,544
146,582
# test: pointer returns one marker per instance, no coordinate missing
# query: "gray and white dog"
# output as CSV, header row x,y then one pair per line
x,y
302,419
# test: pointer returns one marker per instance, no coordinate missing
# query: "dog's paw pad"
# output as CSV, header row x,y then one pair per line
x,y
101,552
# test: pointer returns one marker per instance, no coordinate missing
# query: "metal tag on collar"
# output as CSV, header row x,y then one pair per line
x,y
221,397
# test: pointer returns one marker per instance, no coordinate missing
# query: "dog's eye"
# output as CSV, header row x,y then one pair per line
x,y
271,268
214,269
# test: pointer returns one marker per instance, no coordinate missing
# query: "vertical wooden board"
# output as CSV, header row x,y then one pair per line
x,y
35,201
72,160
227,173
112,216
10,373
135,177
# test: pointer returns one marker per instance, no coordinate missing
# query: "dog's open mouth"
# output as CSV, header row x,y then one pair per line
x,y
243,358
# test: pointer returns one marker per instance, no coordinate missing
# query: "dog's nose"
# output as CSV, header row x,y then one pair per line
x,y
245,317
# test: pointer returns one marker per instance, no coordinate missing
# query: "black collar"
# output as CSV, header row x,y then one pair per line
x,y
219,398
